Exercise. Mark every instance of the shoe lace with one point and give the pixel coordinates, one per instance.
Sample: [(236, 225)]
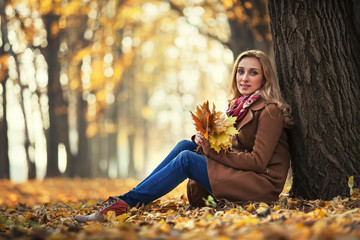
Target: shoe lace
[(108, 203)]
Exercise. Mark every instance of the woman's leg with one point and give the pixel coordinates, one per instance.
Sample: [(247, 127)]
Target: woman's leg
[(180, 146), (181, 163), (186, 164)]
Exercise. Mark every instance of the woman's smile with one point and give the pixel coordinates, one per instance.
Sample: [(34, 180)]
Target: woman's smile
[(244, 86)]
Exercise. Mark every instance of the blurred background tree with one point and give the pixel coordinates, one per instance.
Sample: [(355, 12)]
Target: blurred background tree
[(95, 88)]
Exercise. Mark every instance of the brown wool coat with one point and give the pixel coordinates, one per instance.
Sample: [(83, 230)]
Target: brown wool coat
[(256, 168)]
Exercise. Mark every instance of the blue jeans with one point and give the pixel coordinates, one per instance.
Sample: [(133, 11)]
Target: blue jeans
[(181, 163)]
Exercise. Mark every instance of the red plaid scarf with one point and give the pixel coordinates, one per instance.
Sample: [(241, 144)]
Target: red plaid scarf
[(238, 107)]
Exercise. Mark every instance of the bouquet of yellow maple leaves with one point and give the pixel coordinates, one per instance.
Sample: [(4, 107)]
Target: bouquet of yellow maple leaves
[(214, 126)]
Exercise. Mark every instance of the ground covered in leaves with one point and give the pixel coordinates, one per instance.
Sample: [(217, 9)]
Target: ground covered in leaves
[(45, 210)]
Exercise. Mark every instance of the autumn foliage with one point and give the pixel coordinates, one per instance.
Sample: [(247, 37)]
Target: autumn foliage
[(214, 126), (45, 210)]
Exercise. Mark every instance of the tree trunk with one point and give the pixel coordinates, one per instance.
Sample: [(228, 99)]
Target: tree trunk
[(317, 52), (251, 31), (57, 110), (30, 163), (102, 161), (241, 38), (79, 165), (82, 165), (4, 141), (58, 131), (131, 166), (146, 127), (131, 121), (112, 153), (112, 147)]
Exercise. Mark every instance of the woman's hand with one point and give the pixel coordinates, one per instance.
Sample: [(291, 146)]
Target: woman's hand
[(202, 141)]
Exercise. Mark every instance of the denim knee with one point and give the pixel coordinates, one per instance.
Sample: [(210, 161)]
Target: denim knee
[(185, 158), (186, 144), (194, 167)]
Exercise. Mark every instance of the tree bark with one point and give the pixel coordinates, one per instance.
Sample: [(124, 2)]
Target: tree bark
[(112, 115), (317, 52), (58, 131), (57, 106), (82, 165), (4, 141)]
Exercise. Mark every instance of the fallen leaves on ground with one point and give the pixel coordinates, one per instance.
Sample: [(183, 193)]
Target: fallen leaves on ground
[(45, 210)]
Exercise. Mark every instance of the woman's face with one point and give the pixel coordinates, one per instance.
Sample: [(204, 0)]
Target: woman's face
[(249, 76)]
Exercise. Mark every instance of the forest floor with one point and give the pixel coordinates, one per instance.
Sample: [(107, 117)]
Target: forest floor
[(45, 210)]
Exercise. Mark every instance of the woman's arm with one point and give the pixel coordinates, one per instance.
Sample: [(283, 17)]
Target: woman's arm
[(270, 127)]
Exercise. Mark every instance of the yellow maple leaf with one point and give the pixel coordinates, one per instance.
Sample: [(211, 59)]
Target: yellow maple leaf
[(214, 126), (219, 141), (222, 122)]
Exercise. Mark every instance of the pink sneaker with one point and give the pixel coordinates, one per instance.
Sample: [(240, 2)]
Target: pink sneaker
[(111, 204)]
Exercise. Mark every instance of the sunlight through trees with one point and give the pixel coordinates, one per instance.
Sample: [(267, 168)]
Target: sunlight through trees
[(109, 84)]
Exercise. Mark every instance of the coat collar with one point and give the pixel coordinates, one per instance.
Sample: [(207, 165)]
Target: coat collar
[(256, 106)]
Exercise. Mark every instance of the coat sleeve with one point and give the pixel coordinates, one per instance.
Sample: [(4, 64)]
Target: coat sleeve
[(270, 127)]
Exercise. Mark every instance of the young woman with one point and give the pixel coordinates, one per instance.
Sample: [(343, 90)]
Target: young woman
[(256, 167)]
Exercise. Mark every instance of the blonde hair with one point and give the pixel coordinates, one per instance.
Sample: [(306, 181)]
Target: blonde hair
[(270, 89)]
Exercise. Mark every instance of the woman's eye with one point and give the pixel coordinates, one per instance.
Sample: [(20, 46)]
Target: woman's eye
[(254, 73), (240, 71)]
